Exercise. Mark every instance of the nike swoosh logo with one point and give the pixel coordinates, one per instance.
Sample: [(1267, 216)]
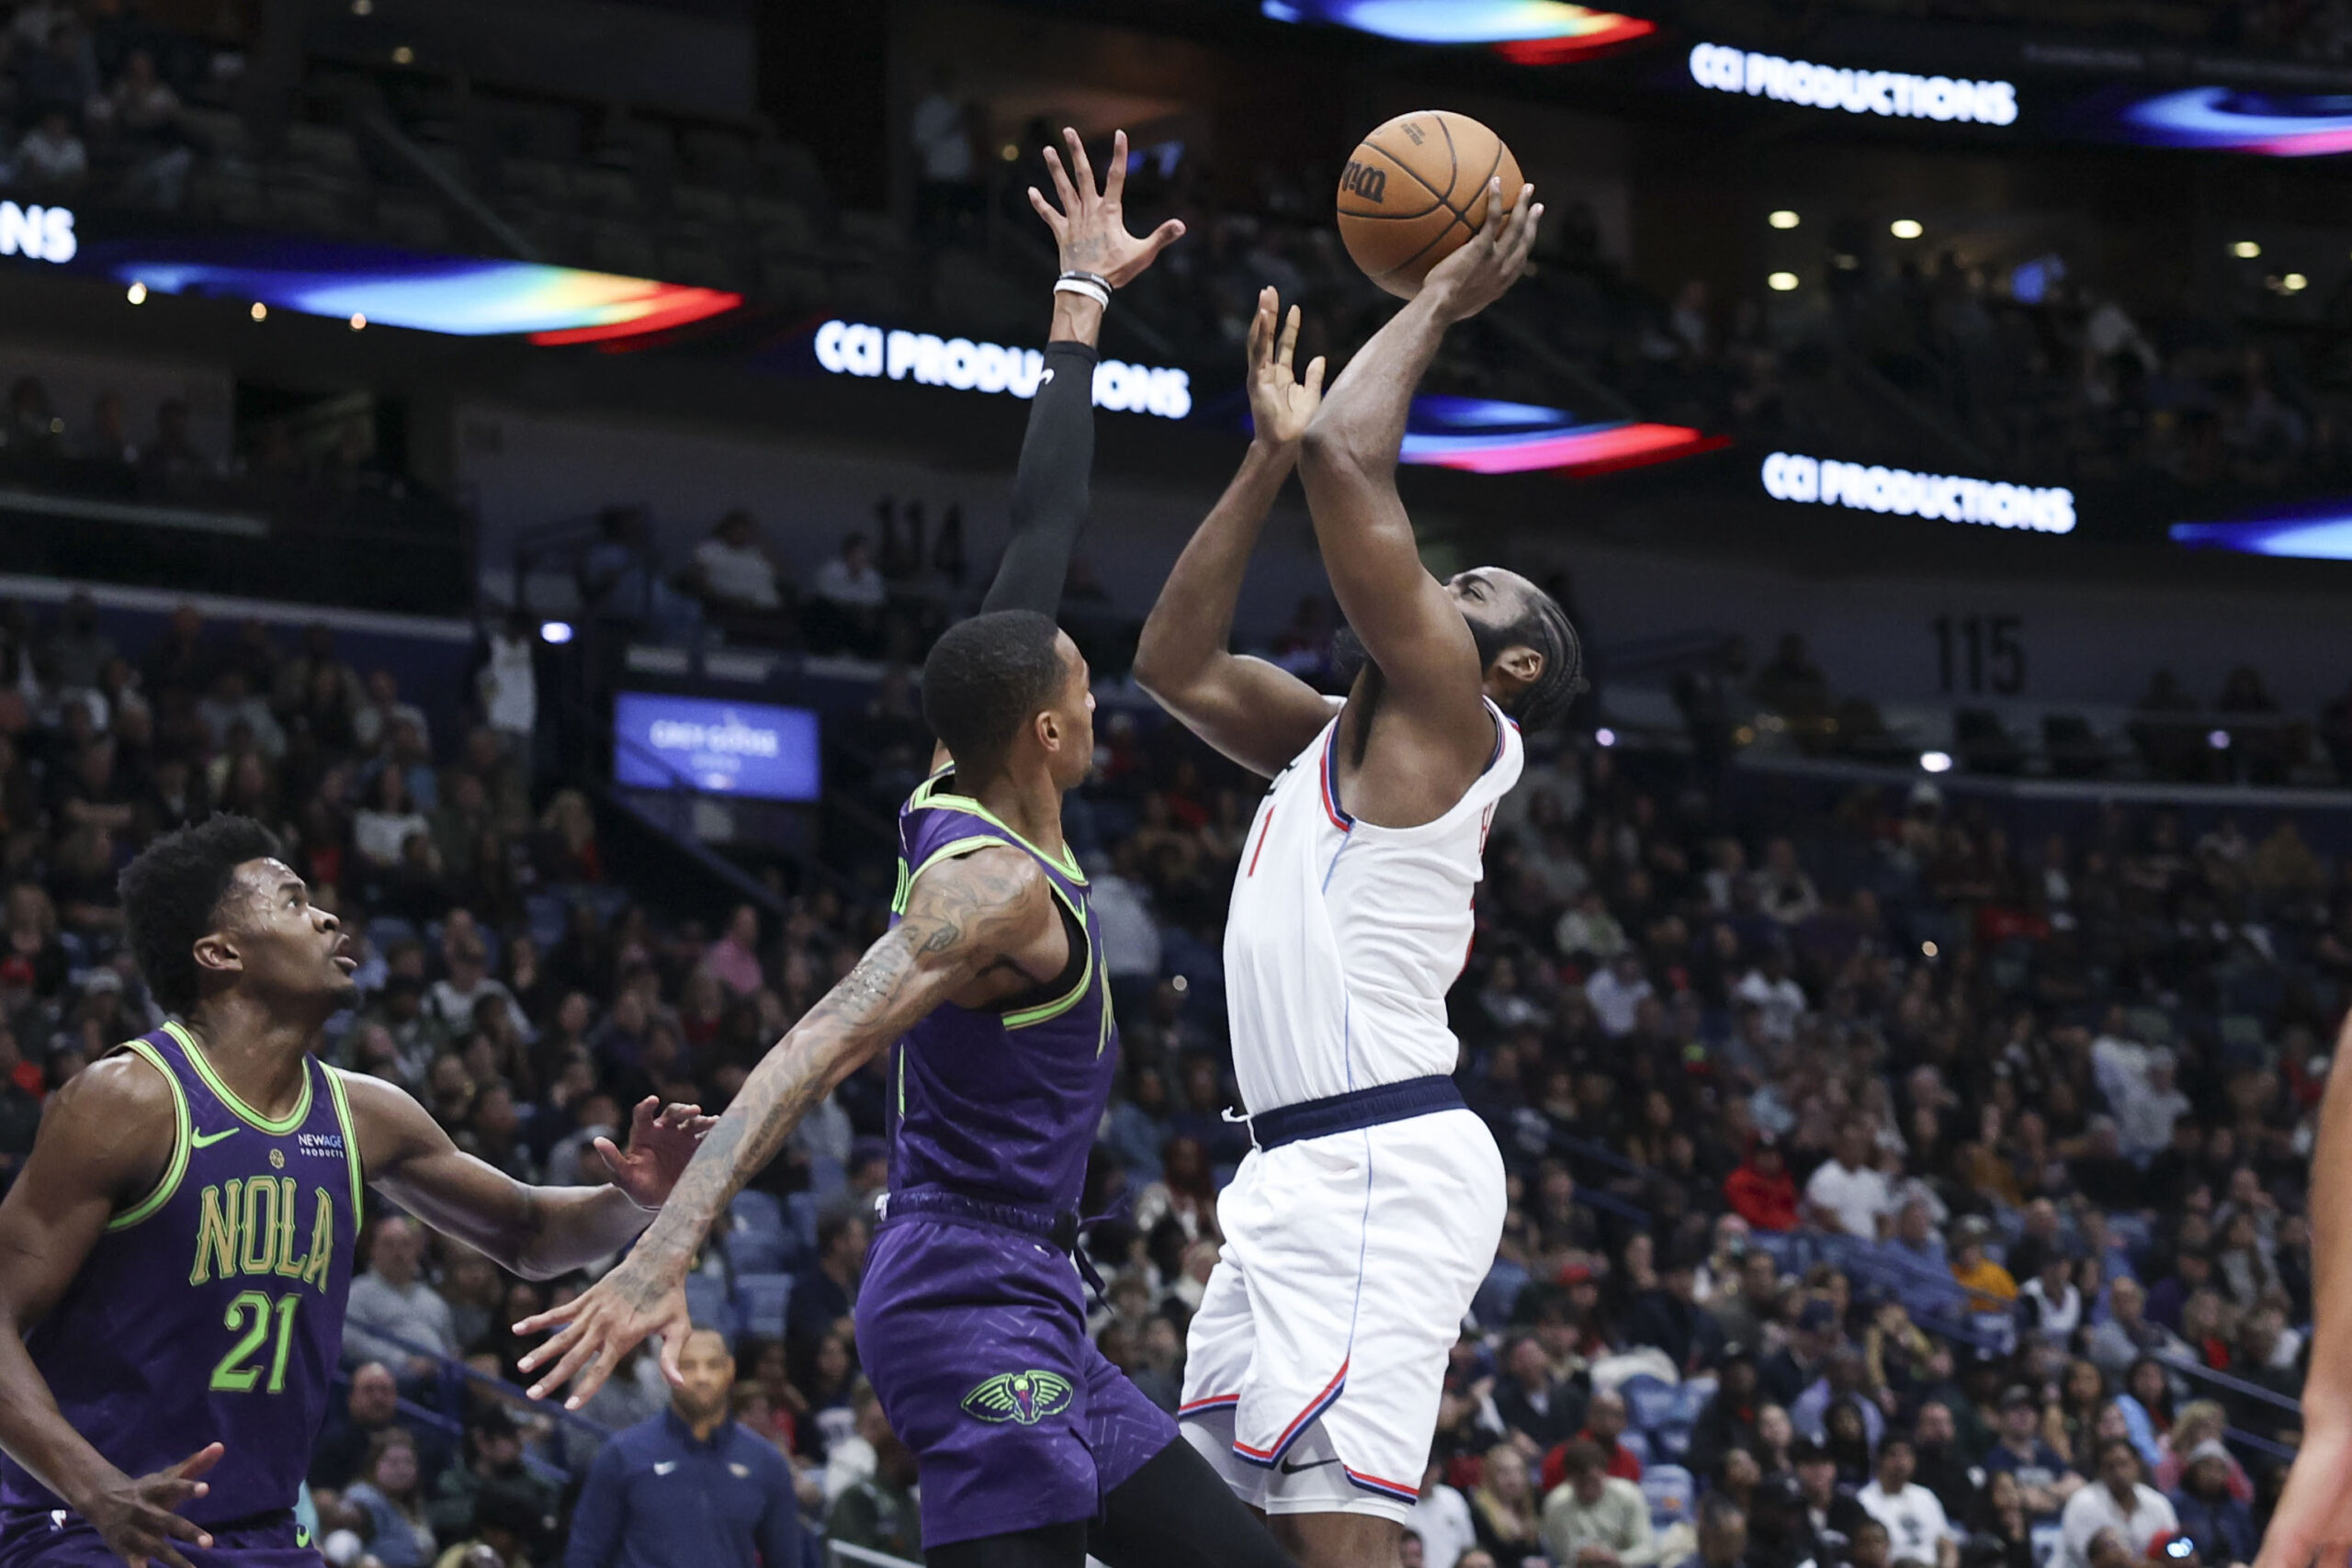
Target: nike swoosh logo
[(206, 1140), (665, 1467), (1290, 1469), (1044, 377), (301, 1535)]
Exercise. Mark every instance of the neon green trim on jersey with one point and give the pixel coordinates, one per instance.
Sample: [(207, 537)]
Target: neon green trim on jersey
[(955, 850), (1029, 1017), (1102, 1042), (350, 1140), (930, 793), (183, 1134), (246, 1114)]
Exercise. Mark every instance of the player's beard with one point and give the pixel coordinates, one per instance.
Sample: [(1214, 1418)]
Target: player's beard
[(1349, 655)]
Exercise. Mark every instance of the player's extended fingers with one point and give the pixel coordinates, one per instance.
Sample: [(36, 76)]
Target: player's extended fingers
[(595, 1366), (1063, 189), (701, 1125), (1047, 210), (566, 1320), (1081, 170), (582, 1347), (1114, 178), (1314, 379), (196, 1463), (1289, 343), (673, 1341), (1160, 239), (1262, 330), (611, 1156), (680, 1115)]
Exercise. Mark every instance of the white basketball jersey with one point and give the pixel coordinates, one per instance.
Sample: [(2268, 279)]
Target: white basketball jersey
[(1344, 937)]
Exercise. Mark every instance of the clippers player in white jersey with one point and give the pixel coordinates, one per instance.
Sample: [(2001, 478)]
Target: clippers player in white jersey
[(1362, 1223)]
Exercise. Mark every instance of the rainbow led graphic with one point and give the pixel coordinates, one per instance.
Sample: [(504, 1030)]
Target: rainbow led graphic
[(461, 296), (2313, 530), (2292, 125), (1532, 32), (1483, 435)]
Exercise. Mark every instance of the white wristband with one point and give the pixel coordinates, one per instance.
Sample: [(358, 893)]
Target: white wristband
[(1086, 288)]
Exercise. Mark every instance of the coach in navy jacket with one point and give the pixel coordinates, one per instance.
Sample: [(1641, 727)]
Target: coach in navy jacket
[(691, 1485)]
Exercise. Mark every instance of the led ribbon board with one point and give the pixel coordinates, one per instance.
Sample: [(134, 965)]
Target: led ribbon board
[(461, 296), (2277, 125), (1487, 436), (1941, 497), (855, 348), (2312, 530), (1894, 93), (1529, 32)]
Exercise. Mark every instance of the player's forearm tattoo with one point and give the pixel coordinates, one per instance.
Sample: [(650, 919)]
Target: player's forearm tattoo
[(961, 918)]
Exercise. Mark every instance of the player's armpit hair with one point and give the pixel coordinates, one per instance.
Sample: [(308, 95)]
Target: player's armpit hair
[(170, 896)]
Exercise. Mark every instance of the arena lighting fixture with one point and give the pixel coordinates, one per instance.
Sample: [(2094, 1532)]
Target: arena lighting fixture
[(2219, 739), (1935, 761), (555, 633), (1604, 736), (1526, 32), (136, 293), (2294, 283), (1905, 228), (260, 312), (404, 55), (1783, 218), (2246, 250), (463, 295), (1927, 950), (359, 322), (1782, 282), (1484, 436)]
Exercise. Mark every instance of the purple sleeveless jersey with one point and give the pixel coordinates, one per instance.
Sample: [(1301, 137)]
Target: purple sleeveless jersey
[(974, 1333), (212, 1310)]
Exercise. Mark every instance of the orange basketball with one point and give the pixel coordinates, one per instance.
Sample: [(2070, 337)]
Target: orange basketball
[(1416, 190)]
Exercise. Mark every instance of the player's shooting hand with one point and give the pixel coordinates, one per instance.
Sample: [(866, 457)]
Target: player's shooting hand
[(662, 1140), (604, 1324), (1281, 403), (1482, 271), (2313, 1522), (137, 1519), (1090, 226)]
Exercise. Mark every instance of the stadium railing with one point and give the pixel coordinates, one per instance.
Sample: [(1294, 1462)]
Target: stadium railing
[(455, 1377)]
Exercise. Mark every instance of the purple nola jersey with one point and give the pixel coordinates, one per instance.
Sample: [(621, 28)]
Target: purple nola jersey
[(1002, 1105), (212, 1310)]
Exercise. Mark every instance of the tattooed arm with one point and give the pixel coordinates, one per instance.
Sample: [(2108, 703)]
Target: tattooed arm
[(976, 928)]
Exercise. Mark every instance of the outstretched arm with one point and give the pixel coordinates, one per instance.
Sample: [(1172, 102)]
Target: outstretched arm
[(537, 1231), (1257, 714), (963, 919), (1410, 628), (2313, 1522), (1050, 488)]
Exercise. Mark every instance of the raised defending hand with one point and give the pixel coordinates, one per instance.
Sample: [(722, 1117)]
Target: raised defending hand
[(1482, 271), (1090, 227), (604, 1324), (138, 1519), (661, 1141), (1279, 402)]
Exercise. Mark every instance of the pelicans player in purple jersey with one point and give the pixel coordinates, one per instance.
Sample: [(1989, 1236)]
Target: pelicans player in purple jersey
[(971, 1322), (175, 1256)]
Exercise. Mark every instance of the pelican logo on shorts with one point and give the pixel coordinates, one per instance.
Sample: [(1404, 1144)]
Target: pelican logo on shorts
[(1025, 1398)]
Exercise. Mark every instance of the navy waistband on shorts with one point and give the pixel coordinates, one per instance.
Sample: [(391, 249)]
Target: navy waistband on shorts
[(1057, 1229), (1356, 1109)]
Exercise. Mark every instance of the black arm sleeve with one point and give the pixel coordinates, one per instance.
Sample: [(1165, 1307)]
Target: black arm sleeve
[(1049, 489)]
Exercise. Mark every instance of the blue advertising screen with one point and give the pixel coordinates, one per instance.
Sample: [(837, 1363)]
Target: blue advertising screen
[(756, 750)]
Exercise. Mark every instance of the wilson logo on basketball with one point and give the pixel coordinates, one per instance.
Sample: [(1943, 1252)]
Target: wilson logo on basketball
[(1413, 132), (1368, 182)]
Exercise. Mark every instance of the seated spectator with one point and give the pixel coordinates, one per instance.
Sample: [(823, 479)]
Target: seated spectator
[(394, 1316), (1844, 1380), (1813, 1518), (384, 709), (1440, 1519), (1783, 890), (736, 568), (1594, 1519), (1795, 1366), (467, 1492), (878, 1510), (389, 1496), (1915, 1524), (823, 1293), (2117, 1501), (1531, 1404), (1722, 1534), (382, 829), (52, 159), (1732, 1413), (2220, 1523), (734, 958), (370, 1407), (2044, 1479), (1989, 1286), (2197, 1423), (2049, 1306), (1504, 1509), (2126, 1334), (845, 609), (1939, 1460), (1668, 1317), (1846, 1191)]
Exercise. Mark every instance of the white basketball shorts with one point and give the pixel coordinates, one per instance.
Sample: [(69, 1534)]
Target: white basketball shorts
[(1315, 1363)]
